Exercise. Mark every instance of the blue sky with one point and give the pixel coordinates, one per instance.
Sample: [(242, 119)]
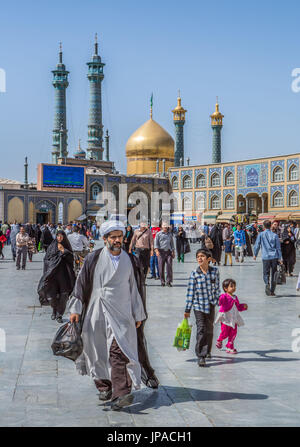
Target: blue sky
[(244, 52)]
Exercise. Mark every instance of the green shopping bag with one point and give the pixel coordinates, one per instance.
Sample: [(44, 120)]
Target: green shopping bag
[(183, 335), (39, 247)]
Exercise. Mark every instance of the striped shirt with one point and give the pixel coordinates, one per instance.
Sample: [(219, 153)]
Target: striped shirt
[(203, 290)]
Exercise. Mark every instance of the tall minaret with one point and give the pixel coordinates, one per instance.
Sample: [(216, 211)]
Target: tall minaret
[(179, 120), (95, 127), (216, 124), (60, 83)]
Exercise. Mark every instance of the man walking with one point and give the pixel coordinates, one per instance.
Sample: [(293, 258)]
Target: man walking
[(142, 241), (269, 242), (154, 260), (22, 241), (109, 290), (165, 252), (203, 294), (239, 242)]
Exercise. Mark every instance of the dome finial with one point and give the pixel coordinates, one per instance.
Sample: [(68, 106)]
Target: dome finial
[(151, 106)]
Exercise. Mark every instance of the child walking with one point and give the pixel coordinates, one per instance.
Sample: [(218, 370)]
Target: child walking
[(228, 244), (229, 315)]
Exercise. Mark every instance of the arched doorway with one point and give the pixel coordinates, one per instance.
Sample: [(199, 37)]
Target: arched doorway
[(15, 210)]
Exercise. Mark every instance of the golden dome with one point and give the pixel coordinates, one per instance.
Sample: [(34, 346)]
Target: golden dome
[(147, 144)]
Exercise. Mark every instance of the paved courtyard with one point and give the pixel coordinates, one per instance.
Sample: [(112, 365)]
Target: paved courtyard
[(257, 387)]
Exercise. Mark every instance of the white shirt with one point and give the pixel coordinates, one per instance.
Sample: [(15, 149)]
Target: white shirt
[(78, 241)]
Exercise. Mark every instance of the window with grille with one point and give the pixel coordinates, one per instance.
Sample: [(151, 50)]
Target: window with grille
[(293, 173), (278, 174), (187, 182), (215, 180), (229, 203), (215, 203), (293, 198), (278, 199), (175, 183), (229, 179), (95, 190), (200, 182)]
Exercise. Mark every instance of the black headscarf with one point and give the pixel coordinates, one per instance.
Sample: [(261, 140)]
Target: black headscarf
[(65, 242)]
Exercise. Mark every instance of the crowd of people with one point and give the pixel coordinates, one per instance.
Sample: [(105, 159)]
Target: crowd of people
[(108, 297)]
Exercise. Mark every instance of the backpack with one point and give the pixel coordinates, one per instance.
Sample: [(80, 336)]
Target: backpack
[(208, 243)]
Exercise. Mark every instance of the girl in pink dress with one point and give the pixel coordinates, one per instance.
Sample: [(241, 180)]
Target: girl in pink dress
[(229, 315)]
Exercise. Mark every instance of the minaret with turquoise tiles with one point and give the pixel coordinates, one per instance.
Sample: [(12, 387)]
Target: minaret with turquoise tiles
[(60, 83), (216, 125), (179, 120), (95, 127)]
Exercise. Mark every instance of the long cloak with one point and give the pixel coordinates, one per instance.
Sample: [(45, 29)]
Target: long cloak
[(58, 275), (217, 239), (180, 243), (288, 251), (97, 319), (249, 251)]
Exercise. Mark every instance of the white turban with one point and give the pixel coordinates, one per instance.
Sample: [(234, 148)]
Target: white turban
[(112, 225)]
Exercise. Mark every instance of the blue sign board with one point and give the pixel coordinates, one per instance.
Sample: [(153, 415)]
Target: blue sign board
[(63, 176)]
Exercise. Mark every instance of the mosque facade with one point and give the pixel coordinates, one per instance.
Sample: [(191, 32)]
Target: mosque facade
[(226, 191)]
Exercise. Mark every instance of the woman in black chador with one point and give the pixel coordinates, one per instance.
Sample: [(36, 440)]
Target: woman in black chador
[(58, 279), (288, 251), (216, 237)]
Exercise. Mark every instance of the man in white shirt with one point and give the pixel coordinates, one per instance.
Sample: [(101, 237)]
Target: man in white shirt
[(78, 241)]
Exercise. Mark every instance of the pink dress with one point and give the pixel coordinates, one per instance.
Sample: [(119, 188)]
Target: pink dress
[(230, 319)]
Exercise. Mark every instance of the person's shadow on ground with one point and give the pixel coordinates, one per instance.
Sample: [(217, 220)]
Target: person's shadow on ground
[(166, 395), (262, 357)]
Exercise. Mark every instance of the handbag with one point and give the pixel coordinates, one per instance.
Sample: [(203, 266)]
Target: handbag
[(208, 243)]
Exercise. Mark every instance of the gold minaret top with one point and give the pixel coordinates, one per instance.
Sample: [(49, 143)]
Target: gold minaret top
[(217, 117), (179, 112)]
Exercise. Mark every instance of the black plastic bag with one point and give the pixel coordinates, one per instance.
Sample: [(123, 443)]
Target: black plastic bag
[(280, 277), (67, 341)]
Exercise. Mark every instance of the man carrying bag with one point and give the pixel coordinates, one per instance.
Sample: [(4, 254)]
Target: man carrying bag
[(271, 254)]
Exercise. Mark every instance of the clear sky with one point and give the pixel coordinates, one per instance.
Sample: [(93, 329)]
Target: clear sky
[(243, 52)]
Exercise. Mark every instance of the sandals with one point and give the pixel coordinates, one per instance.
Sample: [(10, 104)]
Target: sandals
[(219, 344)]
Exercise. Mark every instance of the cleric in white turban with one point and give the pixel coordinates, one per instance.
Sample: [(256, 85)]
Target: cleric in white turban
[(111, 225), (110, 288)]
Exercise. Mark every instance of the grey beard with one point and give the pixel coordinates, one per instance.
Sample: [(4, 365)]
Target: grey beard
[(112, 247)]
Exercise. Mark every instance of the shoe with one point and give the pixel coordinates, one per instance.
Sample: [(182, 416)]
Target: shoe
[(169, 284), (122, 402), (208, 356), (201, 362), (23, 268), (59, 319), (157, 277), (268, 290), (231, 351), (53, 316), (219, 344), (272, 294), (105, 395), (163, 284), (18, 268), (151, 277)]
